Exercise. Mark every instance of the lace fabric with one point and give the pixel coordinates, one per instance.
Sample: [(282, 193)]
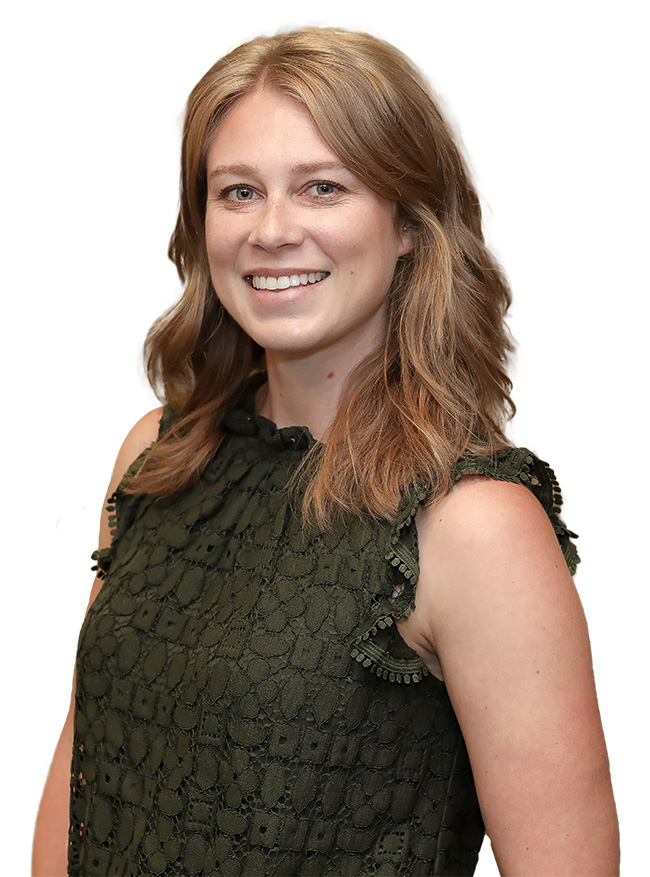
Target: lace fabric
[(245, 705), (373, 638)]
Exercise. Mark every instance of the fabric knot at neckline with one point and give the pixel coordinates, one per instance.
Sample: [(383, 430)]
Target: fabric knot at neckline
[(245, 422)]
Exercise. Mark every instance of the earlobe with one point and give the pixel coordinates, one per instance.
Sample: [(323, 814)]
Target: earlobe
[(407, 241)]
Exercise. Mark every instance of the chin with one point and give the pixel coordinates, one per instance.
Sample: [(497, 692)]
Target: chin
[(291, 343)]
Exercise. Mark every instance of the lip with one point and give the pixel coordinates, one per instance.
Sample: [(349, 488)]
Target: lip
[(283, 272)]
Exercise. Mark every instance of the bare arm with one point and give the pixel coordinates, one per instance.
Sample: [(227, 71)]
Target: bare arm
[(50, 851), (497, 607)]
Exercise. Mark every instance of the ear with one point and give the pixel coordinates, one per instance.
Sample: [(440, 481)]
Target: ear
[(406, 233)]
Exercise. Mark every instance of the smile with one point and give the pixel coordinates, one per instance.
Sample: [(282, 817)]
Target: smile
[(286, 280)]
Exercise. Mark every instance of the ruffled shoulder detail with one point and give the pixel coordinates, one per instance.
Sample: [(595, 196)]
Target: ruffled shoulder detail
[(521, 466), (120, 505), (377, 646)]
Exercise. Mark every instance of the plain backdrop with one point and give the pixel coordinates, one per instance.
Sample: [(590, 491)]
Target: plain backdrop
[(549, 101)]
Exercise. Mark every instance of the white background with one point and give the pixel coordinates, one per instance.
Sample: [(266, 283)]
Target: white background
[(549, 99)]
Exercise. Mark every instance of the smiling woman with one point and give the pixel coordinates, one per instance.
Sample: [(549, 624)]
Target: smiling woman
[(279, 208), (259, 688)]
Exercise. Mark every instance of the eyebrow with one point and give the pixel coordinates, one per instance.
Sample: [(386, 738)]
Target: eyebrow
[(244, 170)]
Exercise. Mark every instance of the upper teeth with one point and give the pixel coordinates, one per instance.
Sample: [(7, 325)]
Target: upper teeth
[(287, 280)]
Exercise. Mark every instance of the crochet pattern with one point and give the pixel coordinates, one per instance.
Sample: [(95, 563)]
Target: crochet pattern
[(245, 705)]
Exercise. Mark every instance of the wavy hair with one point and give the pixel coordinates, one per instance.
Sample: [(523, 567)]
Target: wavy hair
[(437, 388)]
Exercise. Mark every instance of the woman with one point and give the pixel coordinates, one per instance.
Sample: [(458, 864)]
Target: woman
[(259, 690)]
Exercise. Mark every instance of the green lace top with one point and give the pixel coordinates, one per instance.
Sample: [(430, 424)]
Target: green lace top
[(244, 705)]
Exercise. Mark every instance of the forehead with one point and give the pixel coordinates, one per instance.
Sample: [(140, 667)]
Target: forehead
[(268, 127)]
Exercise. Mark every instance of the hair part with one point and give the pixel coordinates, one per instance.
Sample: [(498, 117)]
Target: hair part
[(438, 387)]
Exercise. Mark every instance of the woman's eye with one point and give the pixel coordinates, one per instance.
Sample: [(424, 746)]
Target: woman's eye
[(239, 193), (324, 188)]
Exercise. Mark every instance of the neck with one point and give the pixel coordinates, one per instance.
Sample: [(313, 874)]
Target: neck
[(303, 391)]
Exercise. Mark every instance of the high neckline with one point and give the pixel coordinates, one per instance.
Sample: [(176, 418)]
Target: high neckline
[(244, 420)]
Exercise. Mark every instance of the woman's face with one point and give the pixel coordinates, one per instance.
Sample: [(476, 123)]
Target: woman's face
[(301, 252)]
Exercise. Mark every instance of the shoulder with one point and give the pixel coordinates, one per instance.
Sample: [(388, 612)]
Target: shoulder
[(143, 434), (138, 439), (489, 515), (488, 551)]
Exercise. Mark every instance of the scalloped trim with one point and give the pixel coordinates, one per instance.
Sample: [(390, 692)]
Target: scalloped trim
[(364, 650), (379, 662), (509, 464), (103, 557), (521, 466), (516, 465)]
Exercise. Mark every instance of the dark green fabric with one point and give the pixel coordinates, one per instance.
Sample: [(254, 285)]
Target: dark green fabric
[(244, 704)]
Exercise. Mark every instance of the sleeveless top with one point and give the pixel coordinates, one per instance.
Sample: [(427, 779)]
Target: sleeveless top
[(244, 704)]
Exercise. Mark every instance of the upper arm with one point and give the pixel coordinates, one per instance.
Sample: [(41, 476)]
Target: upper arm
[(496, 605)]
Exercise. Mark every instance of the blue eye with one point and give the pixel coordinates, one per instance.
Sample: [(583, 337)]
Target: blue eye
[(239, 193), (325, 188), (242, 193)]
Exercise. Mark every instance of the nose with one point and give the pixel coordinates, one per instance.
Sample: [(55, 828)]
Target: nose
[(276, 225)]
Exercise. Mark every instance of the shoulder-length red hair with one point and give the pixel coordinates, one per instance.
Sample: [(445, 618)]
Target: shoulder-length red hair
[(437, 388)]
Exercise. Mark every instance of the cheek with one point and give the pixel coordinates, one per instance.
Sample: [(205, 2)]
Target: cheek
[(332, 235), (348, 243), (377, 238), (219, 244), (210, 239)]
